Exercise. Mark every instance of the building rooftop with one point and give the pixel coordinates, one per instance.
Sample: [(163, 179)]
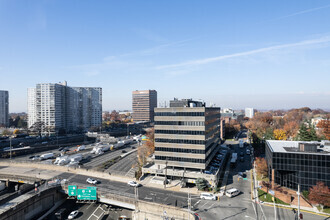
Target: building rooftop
[(311, 147)]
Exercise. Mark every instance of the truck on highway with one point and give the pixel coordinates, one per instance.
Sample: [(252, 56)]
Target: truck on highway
[(58, 159), (63, 161), (126, 142), (75, 158), (100, 149), (241, 144), (118, 145), (80, 148), (47, 156), (137, 138)]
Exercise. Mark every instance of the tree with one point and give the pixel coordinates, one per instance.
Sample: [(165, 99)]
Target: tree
[(279, 134), (201, 183), (291, 128), (262, 168), (307, 133), (320, 194), (6, 132), (114, 116), (38, 127), (16, 131), (324, 125), (150, 143)]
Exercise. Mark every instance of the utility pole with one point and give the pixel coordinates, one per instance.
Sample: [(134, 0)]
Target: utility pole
[(189, 204), (298, 200), (10, 146), (274, 204)]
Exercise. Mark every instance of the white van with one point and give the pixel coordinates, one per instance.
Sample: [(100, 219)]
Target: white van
[(208, 196), (232, 192)]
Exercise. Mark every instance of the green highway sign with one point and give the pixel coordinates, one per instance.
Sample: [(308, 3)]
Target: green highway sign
[(87, 194), (72, 190)]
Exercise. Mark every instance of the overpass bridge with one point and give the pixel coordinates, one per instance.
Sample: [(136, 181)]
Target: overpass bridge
[(149, 203)]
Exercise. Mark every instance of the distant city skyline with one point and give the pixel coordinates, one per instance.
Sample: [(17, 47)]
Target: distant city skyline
[(273, 55)]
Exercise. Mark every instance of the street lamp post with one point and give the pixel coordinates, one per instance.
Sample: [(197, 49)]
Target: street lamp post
[(10, 146)]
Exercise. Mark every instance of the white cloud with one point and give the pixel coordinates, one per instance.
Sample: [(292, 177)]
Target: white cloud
[(303, 12), (247, 53)]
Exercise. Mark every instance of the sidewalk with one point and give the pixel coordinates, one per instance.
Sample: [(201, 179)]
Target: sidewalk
[(313, 210)]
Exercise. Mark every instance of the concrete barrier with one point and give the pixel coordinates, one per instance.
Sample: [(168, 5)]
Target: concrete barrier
[(79, 171), (148, 210)]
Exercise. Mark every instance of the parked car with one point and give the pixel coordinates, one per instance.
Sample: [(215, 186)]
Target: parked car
[(124, 151), (91, 181), (208, 172), (73, 214), (133, 183), (248, 152), (241, 154), (232, 192), (208, 196), (241, 159)]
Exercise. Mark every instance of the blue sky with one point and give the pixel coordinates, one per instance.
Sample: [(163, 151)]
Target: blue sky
[(261, 54)]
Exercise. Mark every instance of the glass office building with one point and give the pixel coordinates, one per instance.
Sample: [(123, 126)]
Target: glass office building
[(293, 162)]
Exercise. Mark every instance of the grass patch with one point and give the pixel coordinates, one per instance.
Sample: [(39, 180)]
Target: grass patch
[(266, 179), (107, 164), (261, 195), (325, 209)]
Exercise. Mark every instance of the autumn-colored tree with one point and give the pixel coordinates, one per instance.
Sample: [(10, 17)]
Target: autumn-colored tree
[(324, 125), (16, 131), (320, 194), (262, 168), (114, 116), (291, 128), (279, 134)]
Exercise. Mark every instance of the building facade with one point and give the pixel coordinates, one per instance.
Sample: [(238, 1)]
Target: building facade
[(143, 104), (57, 106), (293, 162), (186, 135), (4, 108)]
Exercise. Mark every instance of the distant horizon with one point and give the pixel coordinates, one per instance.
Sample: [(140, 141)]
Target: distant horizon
[(260, 110)]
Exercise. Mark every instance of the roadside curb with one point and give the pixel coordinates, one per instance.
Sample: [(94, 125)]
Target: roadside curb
[(290, 207)]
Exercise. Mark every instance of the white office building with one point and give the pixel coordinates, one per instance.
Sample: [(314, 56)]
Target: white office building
[(56, 106), (4, 108), (249, 112)]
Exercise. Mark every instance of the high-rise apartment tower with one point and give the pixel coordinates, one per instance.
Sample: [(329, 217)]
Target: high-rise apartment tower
[(57, 106), (4, 108)]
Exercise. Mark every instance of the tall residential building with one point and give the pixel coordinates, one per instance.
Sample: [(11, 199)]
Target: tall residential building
[(4, 108), (186, 134), (143, 104), (249, 112), (58, 106)]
